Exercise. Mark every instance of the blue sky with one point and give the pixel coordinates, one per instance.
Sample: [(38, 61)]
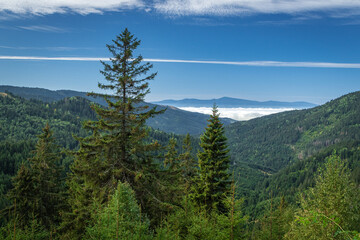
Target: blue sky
[(299, 50)]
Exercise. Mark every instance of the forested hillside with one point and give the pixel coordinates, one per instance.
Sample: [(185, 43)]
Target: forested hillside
[(174, 120), (275, 141), (267, 147), (22, 120)]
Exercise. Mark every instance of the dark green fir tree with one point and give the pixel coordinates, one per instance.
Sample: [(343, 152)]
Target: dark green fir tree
[(172, 174), (213, 184), (38, 189), (188, 165), (118, 149)]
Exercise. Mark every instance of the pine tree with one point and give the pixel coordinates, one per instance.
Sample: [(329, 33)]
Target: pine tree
[(38, 189), (118, 149), (213, 185)]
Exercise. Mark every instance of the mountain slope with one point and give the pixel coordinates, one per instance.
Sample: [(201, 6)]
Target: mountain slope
[(227, 102), (276, 140), (265, 147), (22, 120), (174, 120)]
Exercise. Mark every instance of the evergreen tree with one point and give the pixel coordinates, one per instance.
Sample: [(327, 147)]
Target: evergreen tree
[(331, 209), (38, 190), (195, 223), (275, 223), (22, 196), (172, 174), (213, 185), (188, 165), (120, 219), (118, 149)]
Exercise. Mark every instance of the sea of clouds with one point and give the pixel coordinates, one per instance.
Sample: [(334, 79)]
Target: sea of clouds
[(240, 114)]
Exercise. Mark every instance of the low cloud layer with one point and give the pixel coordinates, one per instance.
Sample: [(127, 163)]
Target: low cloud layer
[(244, 63), (183, 7), (240, 114)]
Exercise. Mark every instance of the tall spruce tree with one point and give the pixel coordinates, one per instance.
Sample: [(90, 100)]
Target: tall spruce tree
[(118, 149), (38, 190), (213, 184)]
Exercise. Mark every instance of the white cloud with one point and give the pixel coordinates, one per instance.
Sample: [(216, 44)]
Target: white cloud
[(266, 63), (240, 114), (243, 7), (58, 48), (52, 58), (43, 7), (342, 8), (43, 28), (244, 63)]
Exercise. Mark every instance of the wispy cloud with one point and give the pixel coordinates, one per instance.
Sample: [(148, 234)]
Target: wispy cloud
[(57, 48), (43, 7), (43, 28), (334, 8), (53, 58), (243, 63), (243, 7), (292, 20)]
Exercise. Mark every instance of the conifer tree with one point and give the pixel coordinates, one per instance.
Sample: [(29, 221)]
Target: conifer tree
[(188, 165), (22, 196), (213, 184), (172, 174), (118, 149), (121, 218), (38, 189), (331, 209)]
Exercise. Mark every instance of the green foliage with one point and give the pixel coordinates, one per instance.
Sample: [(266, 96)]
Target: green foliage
[(80, 201), (33, 231), (212, 185), (188, 165), (24, 119), (274, 141), (275, 223), (12, 155), (193, 223), (38, 191), (120, 219), (296, 178), (263, 146), (118, 148), (174, 120), (274, 157), (329, 210), (173, 191)]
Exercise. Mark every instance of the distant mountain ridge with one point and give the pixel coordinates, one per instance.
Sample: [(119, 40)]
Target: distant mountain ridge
[(227, 102), (174, 120)]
